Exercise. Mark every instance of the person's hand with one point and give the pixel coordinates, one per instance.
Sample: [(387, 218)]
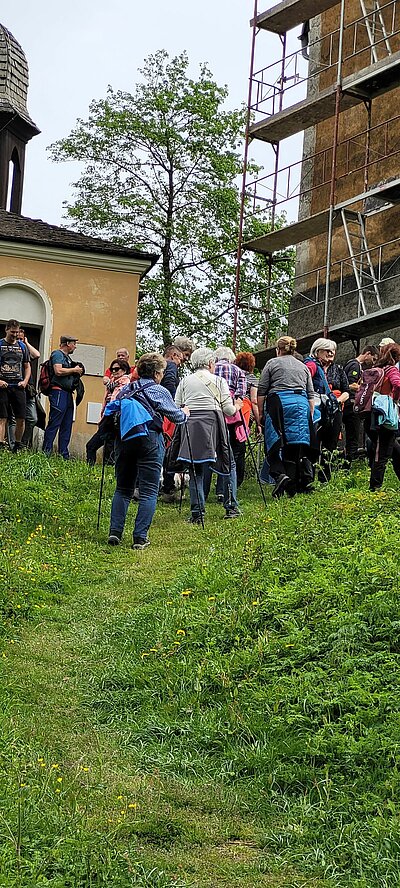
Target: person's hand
[(186, 411), (78, 370), (22, 384), (3, 384), (238, 403), (259, 430)]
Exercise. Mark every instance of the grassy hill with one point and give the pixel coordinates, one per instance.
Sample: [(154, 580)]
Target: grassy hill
[(221, 709)]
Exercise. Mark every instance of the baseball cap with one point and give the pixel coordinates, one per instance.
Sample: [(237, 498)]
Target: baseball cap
[(386, 341), (65, 339)]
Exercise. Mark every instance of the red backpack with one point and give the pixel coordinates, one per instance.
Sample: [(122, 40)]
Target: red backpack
[(45, 377), (371, 381)]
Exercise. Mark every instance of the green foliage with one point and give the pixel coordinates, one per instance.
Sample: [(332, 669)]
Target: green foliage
[(238, 689), (160, 172)]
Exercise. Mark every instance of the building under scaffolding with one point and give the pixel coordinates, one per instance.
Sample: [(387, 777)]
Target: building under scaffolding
[(340, 88)]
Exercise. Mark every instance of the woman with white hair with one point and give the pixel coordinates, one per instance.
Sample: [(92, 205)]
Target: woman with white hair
[(204, 442), (332, 389)]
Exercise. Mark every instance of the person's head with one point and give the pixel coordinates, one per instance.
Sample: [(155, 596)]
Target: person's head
[(384, 342), (21, 335), (203, 359), (68, 344), (151, 366), (12, 331), (122, 354), (175, 354), (389, 355), (223, 353), (369, 356), (186, 346), (246, 361), (118, 369), (324, 350), (286, 345)]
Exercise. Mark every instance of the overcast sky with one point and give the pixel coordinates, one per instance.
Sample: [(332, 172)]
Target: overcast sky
[(76, 48)]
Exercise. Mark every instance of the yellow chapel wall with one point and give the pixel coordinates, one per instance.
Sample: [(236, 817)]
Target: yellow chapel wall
[(98, 306)]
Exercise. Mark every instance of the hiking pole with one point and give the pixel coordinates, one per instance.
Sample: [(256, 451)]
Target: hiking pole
[(182, 491), (101, 483), (194, 475), (253, 457)]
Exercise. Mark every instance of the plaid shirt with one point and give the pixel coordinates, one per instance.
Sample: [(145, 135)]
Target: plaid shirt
[(234, 376)]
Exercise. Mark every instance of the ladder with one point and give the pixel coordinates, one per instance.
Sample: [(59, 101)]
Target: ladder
[(364, 272), (376, 28)]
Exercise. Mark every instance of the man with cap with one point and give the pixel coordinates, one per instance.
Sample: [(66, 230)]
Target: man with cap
[(63, 384)]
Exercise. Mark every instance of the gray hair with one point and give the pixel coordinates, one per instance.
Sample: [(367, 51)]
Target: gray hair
[(201, 357), (225, 353), (184, 343), (320, 344)]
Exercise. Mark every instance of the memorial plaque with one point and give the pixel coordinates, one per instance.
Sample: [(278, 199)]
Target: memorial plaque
[(92, 356)]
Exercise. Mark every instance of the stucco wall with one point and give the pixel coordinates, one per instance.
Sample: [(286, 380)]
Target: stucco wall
[(97, 306)]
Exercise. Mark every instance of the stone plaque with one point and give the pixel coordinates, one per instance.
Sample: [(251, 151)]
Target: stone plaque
[(92, 356)]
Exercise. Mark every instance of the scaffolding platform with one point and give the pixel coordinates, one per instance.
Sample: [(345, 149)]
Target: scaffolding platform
[(376, 79), (290, 13), (387, 193)]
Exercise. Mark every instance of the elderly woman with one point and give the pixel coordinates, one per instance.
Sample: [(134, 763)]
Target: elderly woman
[(204, 442), (383, 443), (332, 389), (286, 396), (142, 456)]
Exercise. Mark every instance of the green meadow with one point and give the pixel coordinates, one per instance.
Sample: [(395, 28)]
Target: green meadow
[(222, 709)]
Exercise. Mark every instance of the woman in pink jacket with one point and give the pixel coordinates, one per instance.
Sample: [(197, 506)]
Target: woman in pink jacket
[(382, 440)]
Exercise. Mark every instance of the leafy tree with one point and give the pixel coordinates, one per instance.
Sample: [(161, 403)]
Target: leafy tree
[(160, 169)]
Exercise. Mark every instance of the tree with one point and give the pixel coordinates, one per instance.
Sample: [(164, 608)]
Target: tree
[(160, 172)]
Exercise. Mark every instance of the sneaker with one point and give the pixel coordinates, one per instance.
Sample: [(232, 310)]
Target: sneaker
[(220, 498), (114, 538), (168, 498), (140, 544), (232, 513), (280, 486)]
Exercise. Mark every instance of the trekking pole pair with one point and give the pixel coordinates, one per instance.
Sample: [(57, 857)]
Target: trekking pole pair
[(252, 457)]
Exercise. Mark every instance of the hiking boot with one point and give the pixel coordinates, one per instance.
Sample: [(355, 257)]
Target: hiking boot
[(168, 498), (220, 498), (114, 538), (232, 513), (17, 447), (280, 486), (194, 519), (140, 543)]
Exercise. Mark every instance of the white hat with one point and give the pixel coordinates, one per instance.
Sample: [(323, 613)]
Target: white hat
[(386, 341)]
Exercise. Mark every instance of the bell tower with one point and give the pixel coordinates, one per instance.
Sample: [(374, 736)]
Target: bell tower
[(16, 127)]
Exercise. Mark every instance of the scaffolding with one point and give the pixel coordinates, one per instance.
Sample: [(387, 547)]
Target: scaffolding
[(342, 185)]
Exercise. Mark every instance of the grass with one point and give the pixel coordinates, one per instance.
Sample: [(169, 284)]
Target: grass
[(221, 709)]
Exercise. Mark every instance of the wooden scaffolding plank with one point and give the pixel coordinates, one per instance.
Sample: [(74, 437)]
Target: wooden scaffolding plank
[(292, 234), (290, 13)]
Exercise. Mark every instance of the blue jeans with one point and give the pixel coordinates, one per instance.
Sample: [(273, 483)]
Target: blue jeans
[(60, 420), (226, 484), (141, 457)]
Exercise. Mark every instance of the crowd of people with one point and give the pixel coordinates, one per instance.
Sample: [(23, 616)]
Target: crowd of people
[(193, 411)]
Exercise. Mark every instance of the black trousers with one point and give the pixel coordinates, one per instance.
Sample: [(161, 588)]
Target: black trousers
[(352, 423), (328, 437), (239, 454), (99, 439), (380, 451)]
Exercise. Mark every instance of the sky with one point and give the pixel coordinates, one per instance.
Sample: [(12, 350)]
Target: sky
[(76, 48)]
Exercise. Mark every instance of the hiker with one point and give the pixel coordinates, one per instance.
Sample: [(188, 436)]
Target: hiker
[(142, 456), (387, 340), (186, 346), (246, 362), (332, 390), (383, 437), (121, 354), (65, 376), (286, 398), (206, 443), (352, 420), (119, 377), (31, 413), (170, 381), (15, 371)]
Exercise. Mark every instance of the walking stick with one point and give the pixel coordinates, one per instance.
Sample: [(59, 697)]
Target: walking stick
[(253, 457), (194, 475), (101, 483), (182, 490)]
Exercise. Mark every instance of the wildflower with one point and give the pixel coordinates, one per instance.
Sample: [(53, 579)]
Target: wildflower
[(119, 798), (186, 592), (180, 632), (85, 769), (144, 655), (154, 650), (58, 791), (56, 765), (59, 779), (257, 601), (211, 598), (177, 642), (132, 805)]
